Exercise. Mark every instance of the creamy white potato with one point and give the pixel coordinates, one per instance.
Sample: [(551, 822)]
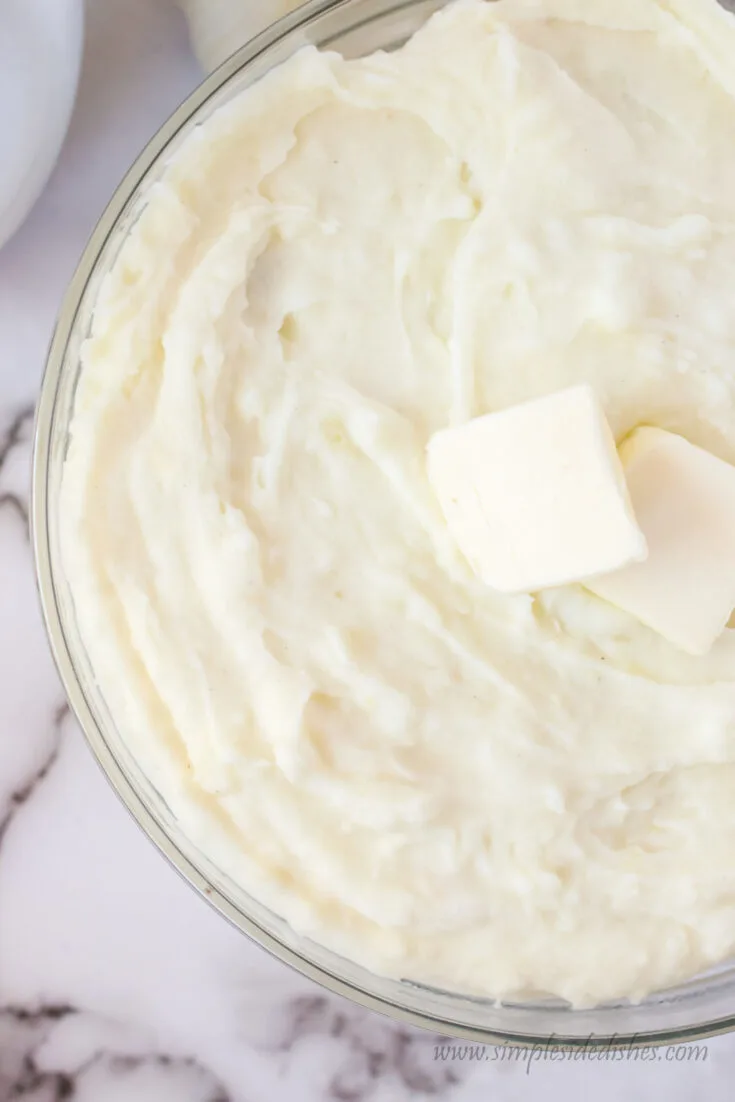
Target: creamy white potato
[(487, 793)]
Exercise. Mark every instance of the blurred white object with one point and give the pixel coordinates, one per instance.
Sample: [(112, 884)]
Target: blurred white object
[(219, 27), (40, 55)]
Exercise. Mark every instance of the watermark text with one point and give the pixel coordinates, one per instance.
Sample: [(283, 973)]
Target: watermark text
[(552, 1051)]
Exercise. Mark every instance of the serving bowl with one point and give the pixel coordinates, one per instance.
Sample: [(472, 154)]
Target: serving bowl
[(702, 1007)]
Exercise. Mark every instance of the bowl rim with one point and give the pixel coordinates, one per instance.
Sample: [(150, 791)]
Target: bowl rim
[(299, 19)]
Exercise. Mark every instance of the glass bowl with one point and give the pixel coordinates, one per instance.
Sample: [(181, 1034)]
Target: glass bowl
[(700, 1008)]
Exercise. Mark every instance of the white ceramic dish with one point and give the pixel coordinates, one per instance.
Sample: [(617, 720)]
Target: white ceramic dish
[(40, 58)]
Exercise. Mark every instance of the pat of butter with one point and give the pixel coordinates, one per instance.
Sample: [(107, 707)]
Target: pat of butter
[(535, 495), (684, 501)]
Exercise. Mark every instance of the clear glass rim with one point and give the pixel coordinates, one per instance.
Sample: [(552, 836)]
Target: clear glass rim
[(299, 20)]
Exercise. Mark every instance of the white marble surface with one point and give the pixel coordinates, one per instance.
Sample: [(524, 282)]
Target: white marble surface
[(117, 984)]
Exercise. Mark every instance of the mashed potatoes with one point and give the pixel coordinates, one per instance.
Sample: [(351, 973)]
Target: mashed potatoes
[(500, 794)]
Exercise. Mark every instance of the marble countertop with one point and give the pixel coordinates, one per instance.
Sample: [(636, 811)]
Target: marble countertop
[(117, 984)]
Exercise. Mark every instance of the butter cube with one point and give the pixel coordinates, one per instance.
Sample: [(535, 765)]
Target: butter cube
[(684, 501), (535, 496)]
